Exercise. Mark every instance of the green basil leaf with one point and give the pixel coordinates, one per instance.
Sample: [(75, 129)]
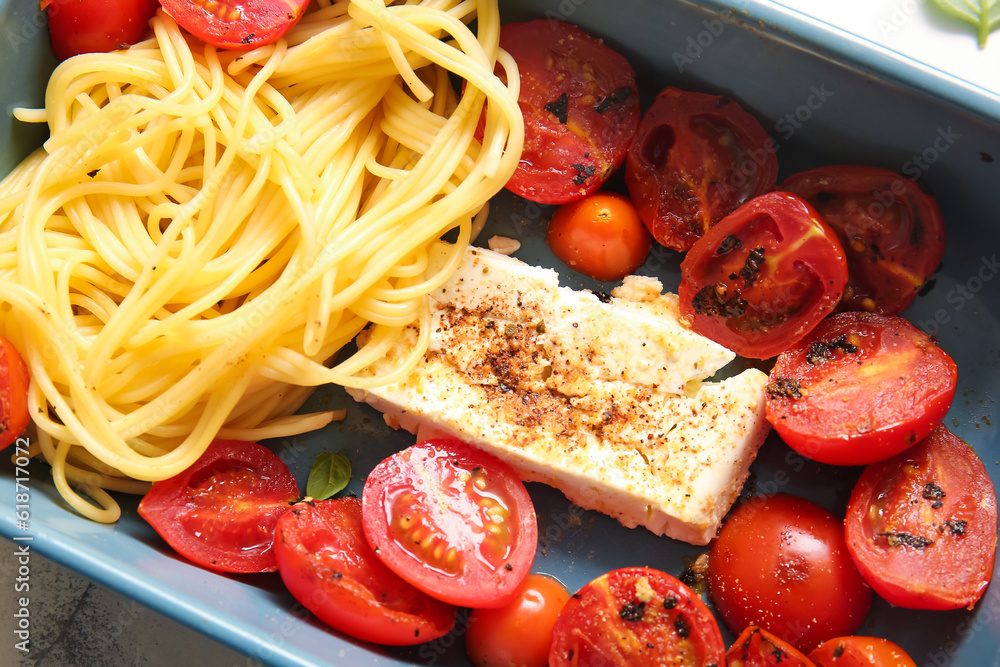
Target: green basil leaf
[(328, 476), (985, 14)]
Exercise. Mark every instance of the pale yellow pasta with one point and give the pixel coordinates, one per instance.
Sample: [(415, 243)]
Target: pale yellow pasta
[(204, 231)]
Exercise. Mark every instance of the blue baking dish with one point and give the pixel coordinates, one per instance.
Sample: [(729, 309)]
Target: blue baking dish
[(825, 97)]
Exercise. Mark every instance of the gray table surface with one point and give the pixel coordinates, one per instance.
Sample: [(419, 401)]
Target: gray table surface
[(76, 623)]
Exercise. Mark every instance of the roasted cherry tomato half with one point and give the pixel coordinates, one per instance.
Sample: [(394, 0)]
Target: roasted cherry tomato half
[(236, 24), (892, 232), (600, 236), (781, 563), (96, 26), (695, 159), (520, 632), (634, 617), (220, 513), (756, 647), (922, 526), (328, 566), (764, 276), (860, 388), (580, 105), (452, 520), (860, 652), (14, 381)]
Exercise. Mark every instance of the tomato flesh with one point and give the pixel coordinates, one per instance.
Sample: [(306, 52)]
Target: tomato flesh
[(636, 617), (893, 232), (453, 521), (860, 388), (580, 105), (520, 632), (860, 652), (781, 563), (756, 647), (695, 159), (236, 24), (14, 380), (220, 513), (922, 526), (600, 236), (96, 26), (763, 277), (328, 566)]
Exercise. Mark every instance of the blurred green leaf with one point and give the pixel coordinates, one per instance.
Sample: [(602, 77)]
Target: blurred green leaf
[(985, 14)]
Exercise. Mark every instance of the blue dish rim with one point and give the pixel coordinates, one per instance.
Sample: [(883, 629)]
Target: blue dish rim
[(777, 22)]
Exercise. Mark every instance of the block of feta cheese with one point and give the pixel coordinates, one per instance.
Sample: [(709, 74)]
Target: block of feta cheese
[(602, 397)]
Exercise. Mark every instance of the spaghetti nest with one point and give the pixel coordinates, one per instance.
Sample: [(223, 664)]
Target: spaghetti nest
[(204, 231)]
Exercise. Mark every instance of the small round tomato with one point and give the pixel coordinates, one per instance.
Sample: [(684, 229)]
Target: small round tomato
[(14, 380), (781, 563), (763, 277), (860, 652), (600, 236), (520, 632), (892, 232), (236, 24), (580, 105), (220, 513), (452, 520), (695, 159), (860, 388), (96, 26), (636, 617), (756, 647), (328, 566), (922, 526)]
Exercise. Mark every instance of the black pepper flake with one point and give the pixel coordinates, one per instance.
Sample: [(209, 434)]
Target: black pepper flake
[(583, 172), (955, 527), (559, 108), (728, 244), (93, 173), (603, 297), (907, 540), (670, 601), (784, 388), (632, 611), (682, 626), (508, 567), (613, 100), (338, 575), (933, 492), (717, 301), (751, 267), (249, 38), (823, 350)]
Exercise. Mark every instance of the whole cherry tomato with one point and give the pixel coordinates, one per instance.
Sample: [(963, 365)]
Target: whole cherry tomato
[(600, 236)]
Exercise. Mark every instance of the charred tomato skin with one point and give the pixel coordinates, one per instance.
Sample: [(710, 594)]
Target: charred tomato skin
[(756, 647), (922, 526), (892, 231), (861, 387), (858, 651), (636, 617), (695, 159), (580, 104), (763, 277)]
